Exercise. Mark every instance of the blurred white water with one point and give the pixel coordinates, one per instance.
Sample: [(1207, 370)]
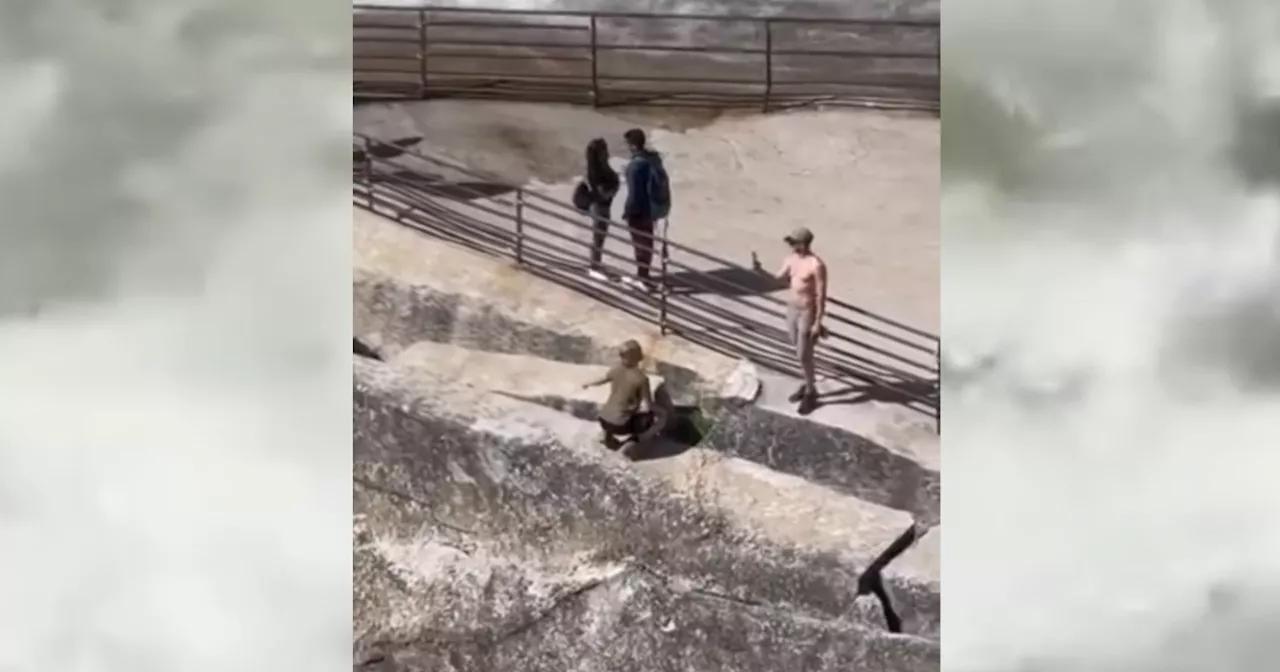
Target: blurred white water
[(1111, 312), (174, 288)]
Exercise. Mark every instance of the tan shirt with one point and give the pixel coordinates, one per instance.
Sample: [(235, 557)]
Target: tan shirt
[(628, 389)]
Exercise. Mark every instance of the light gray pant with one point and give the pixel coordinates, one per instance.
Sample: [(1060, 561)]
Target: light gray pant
[(799, 325)]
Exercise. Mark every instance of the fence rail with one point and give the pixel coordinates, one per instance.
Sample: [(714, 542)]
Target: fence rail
[(877, 356), (620, 58)]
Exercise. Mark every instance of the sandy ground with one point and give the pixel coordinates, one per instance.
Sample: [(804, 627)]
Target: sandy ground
[(866, 183)]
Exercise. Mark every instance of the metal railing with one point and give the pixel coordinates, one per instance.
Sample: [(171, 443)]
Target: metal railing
[(699, 297), (620, 58)]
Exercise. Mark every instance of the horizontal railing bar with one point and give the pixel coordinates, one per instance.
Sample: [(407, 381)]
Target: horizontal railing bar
[(508, 216), (492, 236), (780, 333), (511, 75), (505, 11), (823, 364), (736, 299), (717, 261), (384, 71), (761, 52), (462, 42), (676, 49), (573, 221), (500, 84), (605, 79), (506, 25), (707, 307), (898, 84), (537, 196), (357, 25), (432, 53), (897, 325), (861, 53), (411, 39), (728, 284)]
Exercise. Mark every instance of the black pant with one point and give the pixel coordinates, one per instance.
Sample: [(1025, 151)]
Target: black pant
[(636, 425), (599, 230), (642, 240)]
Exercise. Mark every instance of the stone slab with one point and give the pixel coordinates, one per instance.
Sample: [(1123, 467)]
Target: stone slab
[(496, 467)]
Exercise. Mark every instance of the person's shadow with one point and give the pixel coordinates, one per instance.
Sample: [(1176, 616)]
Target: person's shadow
[(728, 281), (862, 393), (684, 428)]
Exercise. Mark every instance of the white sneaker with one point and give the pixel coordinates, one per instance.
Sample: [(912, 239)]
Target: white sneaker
[(633, 283), (597, 275)]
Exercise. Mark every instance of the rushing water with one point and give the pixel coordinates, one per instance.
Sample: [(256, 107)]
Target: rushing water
[(174, 288), (1111, 311)]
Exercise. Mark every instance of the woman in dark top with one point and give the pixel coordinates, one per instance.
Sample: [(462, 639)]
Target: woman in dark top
[(601, 185)]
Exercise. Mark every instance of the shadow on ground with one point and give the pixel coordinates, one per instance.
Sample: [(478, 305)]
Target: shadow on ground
[(690, 317), (724, 282)]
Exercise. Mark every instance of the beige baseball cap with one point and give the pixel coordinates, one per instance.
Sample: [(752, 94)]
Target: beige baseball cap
[(801, 235)]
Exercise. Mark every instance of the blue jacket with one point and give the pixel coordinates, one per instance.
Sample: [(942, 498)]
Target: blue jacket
[(638, 201)]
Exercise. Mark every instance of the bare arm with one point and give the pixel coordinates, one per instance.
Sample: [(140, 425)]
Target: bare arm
[(608, 377), (820, 290), (784, 272)]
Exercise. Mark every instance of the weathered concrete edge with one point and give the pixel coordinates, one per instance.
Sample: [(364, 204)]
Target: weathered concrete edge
[(725, 636), (911, 582), (391, 314), (833, 456), (636, 515), (395, 315)]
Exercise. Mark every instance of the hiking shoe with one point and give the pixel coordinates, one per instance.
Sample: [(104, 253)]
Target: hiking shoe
[(798, 394), (808, 404)]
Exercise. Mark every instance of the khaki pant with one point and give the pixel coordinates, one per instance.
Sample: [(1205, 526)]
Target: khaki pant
[(799, 326)]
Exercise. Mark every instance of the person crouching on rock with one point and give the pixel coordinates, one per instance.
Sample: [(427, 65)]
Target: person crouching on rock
[(620, 417)]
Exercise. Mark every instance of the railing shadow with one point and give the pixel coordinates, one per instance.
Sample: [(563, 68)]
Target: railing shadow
[(479, 213), (724, 282)]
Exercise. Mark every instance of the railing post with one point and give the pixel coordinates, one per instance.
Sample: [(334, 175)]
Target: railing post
[(595, 66), (519, 226), (768, 63), (664, 289), (422, 53)]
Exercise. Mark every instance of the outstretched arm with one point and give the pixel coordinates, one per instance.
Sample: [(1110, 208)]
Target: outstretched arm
[(599, 381), (781, 276), (784, 272)]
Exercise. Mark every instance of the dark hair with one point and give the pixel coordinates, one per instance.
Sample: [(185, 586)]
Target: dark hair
[(599, 172), (635, 138)]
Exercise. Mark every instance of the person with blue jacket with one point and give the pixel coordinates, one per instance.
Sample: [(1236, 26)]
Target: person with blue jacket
[(648, 200)]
